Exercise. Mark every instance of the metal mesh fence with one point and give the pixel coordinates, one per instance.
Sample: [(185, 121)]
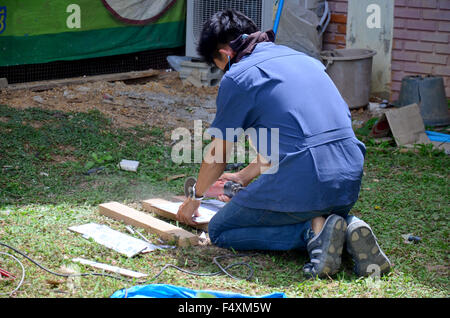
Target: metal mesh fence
[(153, 59), (204, 9)]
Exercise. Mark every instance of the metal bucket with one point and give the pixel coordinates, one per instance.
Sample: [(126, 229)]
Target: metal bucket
[(429, 93), (351, 72)]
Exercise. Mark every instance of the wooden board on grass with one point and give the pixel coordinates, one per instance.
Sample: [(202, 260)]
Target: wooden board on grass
[(169, 210), (153, 225)]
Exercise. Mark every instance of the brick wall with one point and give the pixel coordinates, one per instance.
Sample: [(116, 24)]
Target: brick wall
[(334, 36), (421, 41)]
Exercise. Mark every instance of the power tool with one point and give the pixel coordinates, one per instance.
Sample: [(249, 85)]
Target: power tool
[(228, 188)]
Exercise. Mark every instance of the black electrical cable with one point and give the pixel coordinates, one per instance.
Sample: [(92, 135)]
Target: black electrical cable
[(23, 273), (223, 270)]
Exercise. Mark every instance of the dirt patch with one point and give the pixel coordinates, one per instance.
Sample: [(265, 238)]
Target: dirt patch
[(440, 269), (63, 158), (361, 114), (35, 124), (66, 148), (161, 101)]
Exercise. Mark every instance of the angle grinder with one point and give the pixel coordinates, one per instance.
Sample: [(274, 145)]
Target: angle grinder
[(228, 188)]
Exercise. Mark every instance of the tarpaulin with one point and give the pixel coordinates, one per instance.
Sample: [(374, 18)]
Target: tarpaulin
[(41, 31), (439, 137), (171, 291), (138, 11)]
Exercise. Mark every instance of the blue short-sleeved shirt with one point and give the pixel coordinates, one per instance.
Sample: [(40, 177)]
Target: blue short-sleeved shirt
[(320, 161)]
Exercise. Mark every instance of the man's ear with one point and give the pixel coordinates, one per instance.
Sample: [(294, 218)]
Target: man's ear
[(227, 51)]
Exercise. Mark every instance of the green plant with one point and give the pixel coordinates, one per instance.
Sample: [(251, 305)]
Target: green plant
[(99, 159), (429, 150), (367, 128)]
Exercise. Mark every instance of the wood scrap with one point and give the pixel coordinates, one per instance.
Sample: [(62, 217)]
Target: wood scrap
[(110, 268), (174, 177), (46, 85), (153, 225)]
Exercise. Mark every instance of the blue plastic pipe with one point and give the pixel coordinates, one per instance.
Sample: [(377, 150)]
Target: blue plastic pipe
[(278, 17)]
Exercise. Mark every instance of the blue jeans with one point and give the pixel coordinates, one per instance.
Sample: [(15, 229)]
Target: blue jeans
[(242, 228)]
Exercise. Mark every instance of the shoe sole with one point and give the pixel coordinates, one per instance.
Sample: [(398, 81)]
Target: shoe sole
[(362, 245), (331, 259)]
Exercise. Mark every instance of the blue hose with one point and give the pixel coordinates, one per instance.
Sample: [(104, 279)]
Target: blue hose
[(278, 17)]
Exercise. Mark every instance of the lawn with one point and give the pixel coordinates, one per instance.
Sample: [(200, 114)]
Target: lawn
[(45, 188)]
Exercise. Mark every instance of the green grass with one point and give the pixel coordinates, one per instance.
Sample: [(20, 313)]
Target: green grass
[(43, 191)]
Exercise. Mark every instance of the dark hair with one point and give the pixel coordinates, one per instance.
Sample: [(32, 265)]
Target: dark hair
[(223, 27)]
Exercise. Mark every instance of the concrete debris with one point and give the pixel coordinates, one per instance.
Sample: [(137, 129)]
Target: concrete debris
[(200, 74), (356, 124), (38, 99), (3, 83), (83, 89)]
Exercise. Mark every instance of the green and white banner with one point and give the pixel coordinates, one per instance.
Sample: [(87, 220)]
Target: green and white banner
[(41, 31)]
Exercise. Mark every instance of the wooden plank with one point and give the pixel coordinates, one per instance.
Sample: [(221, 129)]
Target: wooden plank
[(45, 85), (149, 205), (133, 217), (110, 268), (177, 176)]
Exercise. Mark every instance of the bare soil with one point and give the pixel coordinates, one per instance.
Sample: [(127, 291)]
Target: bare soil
[(160, 101), (163, 101)]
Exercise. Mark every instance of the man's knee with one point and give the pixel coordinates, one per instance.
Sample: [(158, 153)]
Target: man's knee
[(213, 231)]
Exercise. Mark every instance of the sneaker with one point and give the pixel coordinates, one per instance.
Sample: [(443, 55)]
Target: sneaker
[(363, 247), (325, 249)]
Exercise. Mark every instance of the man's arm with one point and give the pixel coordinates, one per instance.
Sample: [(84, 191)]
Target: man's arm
[(246, 175), (253, 170), (212, 168), (213, 165)]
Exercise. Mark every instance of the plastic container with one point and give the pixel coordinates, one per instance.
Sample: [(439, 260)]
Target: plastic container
[(129, 165), (351, 72), (429, 93)]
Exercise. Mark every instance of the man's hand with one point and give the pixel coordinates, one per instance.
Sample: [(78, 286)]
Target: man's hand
[(235, 177), (246, 175), (187, 210)]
